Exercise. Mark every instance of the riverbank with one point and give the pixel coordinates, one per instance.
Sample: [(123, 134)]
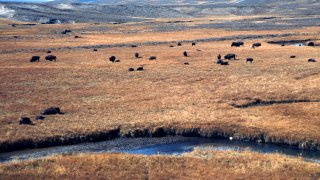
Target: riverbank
[(199, 164)]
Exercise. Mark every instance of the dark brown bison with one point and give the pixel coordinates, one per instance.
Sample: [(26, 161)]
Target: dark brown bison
[(112, 58), (237, 44), (312, 60), (35, 59), (134, 46), (25, 121), (137, 55), (186, 63), (49, 52), (250, 60), (140, 68), (95, 49), (292, 57), (185, 53), (152, 58), (193, 44), (311, 44), (254, 45), (230, 56), (51, 58), (131, 69), (219, 61), (179, 44), (219, 56), (52, 111)]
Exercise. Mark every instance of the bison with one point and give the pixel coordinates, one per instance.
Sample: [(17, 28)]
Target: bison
[(137, 55), (131, 69), (25, 121), (152, 58), (237, 44), (193, 43), (49, 52), (112, 58), (254, 45), (312, 60), (52, 111), (311, 44), (219, 56), (185, 53), (35, 59), (186, 63), (250, 60), (95, 49), (140, 68), (179, 44), (292, 57), (230, 56), (51, 58)]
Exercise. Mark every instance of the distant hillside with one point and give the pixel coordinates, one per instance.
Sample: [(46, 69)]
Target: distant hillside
[(134, 10)]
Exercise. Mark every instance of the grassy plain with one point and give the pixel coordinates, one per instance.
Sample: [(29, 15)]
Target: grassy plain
[(98, 95)]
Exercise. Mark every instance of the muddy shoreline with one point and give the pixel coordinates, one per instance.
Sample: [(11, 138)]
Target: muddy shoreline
[(213, 133)]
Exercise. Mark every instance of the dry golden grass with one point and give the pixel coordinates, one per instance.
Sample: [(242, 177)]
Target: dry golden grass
[(200, 164), (98, 95)]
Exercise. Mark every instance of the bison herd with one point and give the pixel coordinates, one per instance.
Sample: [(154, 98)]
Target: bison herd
[(48, 58), (48, 111), (220, 61)]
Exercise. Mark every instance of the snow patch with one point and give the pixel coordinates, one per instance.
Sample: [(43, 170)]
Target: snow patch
[(65, 6), (6, 12)]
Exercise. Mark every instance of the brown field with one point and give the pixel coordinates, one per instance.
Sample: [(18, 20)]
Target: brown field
[(196, 165), (98, 96)]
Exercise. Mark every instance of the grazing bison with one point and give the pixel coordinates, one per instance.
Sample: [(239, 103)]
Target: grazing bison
[(35, 59), (76, 37), (186, 63), (193, 44), (49, 52), (117, 60), (292, 57), (224, 63), (112, 58), (254, 45), (171, 46), (152, 58), (95, 49), (311, 44), (230, 56), (312, 60), (134, 46), (137, 55), (52, 111), (179, 44), (51, 58), (131, 69), (219, 56), (140, 68), (237, 44), (185, 53), (250, 60), (25, 121)]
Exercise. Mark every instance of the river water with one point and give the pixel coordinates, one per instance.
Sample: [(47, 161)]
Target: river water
[(163, 146)]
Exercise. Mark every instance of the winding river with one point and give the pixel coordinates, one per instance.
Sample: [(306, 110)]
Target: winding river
[(164, 146)]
